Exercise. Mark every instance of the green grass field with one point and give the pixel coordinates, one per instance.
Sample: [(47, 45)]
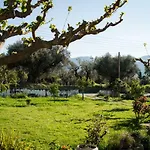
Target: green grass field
[(64, 120)]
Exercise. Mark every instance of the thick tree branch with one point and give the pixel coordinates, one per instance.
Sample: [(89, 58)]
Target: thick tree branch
[(12, 12), (13, 31), (97, 31), (38, 44), (90, 27), (64, 39), (7, 31)]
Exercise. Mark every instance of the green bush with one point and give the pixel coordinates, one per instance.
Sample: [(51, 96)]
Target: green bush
[(146, 142), (12, 142), (54, 89), (32, 95), (18, 95), (141, 108), (54, 146), (133, 90), (113, 143), (37, 86), (136, 90), (127, 140), (147, 88), (95, 132), (28, 101)]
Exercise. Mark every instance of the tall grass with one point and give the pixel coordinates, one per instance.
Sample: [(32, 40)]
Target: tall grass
[(10, 141)]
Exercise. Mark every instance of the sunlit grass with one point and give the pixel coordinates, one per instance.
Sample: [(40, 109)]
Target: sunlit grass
[(61, 120)]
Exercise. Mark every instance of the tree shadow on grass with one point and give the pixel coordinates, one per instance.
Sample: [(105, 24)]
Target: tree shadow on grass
[(117, 100), (80, 120), (107, 116), (117, 110), (113, 118), (20, 106), (59, 100), (131, 124)]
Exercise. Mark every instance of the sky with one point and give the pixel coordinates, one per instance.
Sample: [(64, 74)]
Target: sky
[(127, 38)]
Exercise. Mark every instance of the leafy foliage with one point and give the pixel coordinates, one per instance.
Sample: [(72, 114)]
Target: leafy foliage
[(82, 84), (9, 141), (96, 132), (135, 90), (54, 89), (54, 146), (129, 140), (40, 63), (7, 78), (18, 95), (107, 66), (23, 8), (141, 108)]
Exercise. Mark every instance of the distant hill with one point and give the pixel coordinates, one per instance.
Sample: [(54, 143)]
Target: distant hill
[(82, 58), (88, 58), (140, 65)]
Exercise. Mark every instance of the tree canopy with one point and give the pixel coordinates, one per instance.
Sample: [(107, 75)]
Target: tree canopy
[(13, 9), (40, 62), (107, 66)]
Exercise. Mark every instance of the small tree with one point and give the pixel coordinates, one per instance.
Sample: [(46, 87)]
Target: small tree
[(96, 131), (54, 90), (107, 67), (82, 84), (141, 108), (7, 78), (117, 86), (135, 89)]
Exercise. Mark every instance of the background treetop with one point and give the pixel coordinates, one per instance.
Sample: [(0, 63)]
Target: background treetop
[(13, 9)]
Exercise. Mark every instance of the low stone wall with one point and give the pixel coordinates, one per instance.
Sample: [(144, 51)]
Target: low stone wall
[(40, 93)]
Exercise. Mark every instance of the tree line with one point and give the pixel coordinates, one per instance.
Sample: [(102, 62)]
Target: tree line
[(55, 66)]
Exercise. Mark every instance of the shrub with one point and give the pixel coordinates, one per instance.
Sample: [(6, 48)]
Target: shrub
[(113, 143), (106, 97), (18, 95), (32, 95), (133, 90), (54, 146), (147, 88), (95, 132), (28, 101), (12, 142), (127, 96), (54, 89), (82, 84), (117, 86), (128, 141), (146, 142), (141, 108)]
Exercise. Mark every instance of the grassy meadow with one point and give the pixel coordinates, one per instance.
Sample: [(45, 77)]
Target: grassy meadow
[(64, 120)]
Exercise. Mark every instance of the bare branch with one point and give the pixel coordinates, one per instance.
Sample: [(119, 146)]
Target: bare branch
[(145, 63)]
